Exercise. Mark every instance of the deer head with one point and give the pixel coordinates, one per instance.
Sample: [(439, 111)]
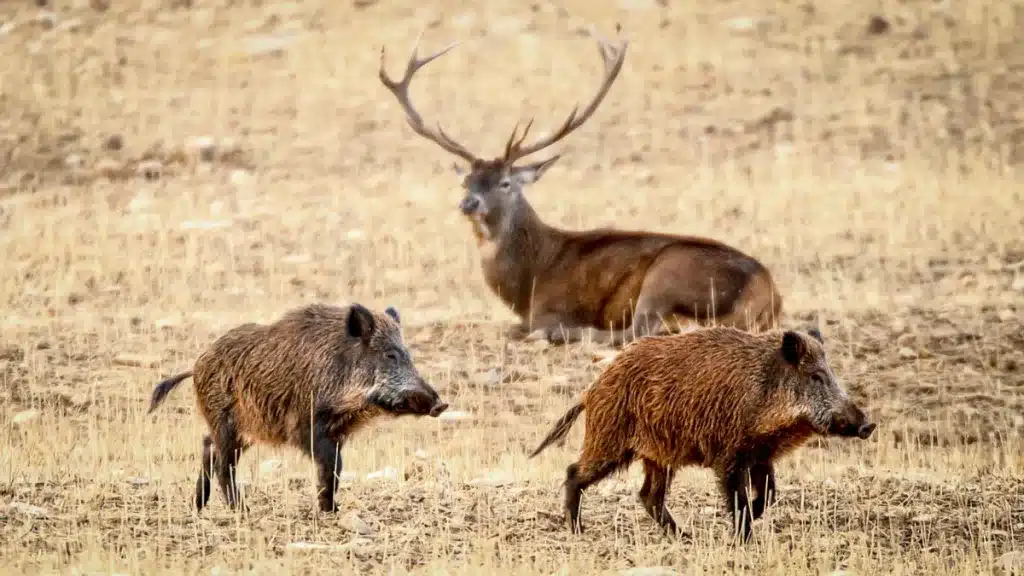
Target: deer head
[(494, 188)]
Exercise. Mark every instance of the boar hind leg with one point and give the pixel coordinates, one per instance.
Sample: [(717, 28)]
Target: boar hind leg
[(327, 455), (581, 475), (656, 481), (229, 448), (205, 473)]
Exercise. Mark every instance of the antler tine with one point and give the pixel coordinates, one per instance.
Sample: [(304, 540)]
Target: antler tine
[(514, 142), (511, 140), (400, 90), (613, 58)]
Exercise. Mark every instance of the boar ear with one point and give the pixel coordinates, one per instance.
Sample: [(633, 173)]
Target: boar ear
[(360, 322), (390, 311), (816, 334), (793, 347)]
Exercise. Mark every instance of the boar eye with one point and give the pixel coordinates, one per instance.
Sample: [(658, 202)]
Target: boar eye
[(391, 355), (817, 380)]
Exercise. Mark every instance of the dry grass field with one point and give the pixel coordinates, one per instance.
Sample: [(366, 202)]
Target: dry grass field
[(172, 168)]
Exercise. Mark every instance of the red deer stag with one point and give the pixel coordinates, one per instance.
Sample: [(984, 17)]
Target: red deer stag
[(615, 285)]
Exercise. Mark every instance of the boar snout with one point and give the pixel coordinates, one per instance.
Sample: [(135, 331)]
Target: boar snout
[(851, 423), (422, 401), (865, 430)]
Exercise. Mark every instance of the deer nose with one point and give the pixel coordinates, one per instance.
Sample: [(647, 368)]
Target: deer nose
[(469, 205)]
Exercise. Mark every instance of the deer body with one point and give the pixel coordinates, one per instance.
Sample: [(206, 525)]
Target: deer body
[(614, 285), (568, 283)]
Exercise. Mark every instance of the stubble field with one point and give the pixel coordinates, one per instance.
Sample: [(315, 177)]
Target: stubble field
[(172, 169)]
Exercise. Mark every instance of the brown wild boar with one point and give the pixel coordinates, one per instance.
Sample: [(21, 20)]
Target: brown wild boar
[(310, 380), (715, 397), (610, 284)]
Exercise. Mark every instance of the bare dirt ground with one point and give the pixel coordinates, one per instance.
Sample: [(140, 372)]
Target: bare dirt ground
[(172, 168)]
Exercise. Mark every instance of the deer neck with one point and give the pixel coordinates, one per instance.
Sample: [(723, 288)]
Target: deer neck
[(515, 255)]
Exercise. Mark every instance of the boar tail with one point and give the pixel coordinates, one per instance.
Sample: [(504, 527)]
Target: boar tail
[(561, 428), (164, 388)]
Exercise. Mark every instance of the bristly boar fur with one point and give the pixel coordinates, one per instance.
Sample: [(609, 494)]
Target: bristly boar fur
[(716, 397), (309, 380)]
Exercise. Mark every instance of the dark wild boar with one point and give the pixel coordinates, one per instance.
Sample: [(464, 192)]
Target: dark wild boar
[(715, 397), (310, 380), (610, 284)]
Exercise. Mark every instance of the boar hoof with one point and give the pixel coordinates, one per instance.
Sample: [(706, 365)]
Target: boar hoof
[(677, 533), (328, 505)]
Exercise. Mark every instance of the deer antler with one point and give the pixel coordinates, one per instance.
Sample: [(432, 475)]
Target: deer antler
[(613, 58), (401, 91)]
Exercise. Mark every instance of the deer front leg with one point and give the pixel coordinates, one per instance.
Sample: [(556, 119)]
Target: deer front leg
[(652, 316), (518, 332), (558, 330), (643, 324), (560, 333), (554, 328)]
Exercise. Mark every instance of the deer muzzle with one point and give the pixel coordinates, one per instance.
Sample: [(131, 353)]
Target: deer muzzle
[(469, 205)]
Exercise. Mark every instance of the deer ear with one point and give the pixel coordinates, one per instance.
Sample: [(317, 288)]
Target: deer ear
[(530, 173), (360, 322), (793, 347)]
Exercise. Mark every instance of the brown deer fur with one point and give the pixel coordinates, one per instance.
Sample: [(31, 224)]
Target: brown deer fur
[(715, 397), (309, 380), (611, 284)]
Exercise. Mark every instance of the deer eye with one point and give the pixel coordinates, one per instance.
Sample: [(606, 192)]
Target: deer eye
[(505, 184)]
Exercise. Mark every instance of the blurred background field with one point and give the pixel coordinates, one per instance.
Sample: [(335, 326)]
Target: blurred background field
[(172, 168)]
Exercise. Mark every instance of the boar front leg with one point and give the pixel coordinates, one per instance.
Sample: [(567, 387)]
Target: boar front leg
[(326, 452), (734, 477), (762, 481)]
